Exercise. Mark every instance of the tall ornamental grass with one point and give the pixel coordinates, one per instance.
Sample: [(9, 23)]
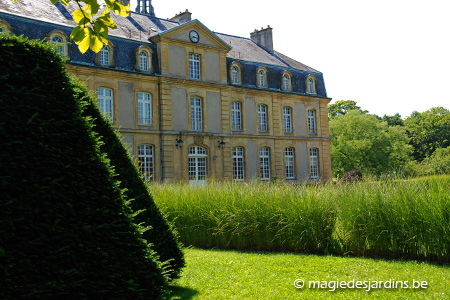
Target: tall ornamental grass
[(387, 218)]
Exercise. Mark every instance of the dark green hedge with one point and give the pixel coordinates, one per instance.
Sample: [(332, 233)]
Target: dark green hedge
[(161, 235), (65, 230)]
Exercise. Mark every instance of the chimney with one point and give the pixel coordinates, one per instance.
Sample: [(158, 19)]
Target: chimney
[(263, 37), (145, 7), (182, 17)]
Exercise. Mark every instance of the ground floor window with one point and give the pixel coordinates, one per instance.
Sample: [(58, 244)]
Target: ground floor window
[(238, 163), (314, 162), (197, 164), (146, 165), (264, 163), (289, 161)]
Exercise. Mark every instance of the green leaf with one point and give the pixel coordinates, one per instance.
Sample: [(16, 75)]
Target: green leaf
[(65, 2), (95, 43), (100, 28), (78, 15), (77, 34)]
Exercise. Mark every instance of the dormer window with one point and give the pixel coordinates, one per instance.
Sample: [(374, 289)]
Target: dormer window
[(4, 26), (261, 77), (144, 59), (60, 39), (235, 73), (311, 84), (105, 57), (286, 82)]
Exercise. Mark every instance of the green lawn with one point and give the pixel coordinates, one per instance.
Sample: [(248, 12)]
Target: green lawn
[(239, 275)]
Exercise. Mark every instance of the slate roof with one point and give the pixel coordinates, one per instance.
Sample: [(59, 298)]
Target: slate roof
[(139, 27)]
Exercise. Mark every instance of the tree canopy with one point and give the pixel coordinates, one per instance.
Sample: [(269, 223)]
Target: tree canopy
[(341, 107), (94, 24), (362, 141)]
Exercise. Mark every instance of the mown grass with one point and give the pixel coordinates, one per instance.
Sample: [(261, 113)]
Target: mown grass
[(407, 219), (238, 275)]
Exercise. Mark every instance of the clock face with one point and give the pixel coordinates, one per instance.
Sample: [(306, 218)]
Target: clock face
[(193, 35)]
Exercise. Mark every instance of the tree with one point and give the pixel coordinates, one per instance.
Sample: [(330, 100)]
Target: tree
[(92, 30), (395, 120), (341, 107), (361, 141), (428, 131)]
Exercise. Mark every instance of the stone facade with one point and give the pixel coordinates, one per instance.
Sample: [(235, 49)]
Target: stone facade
[(241, 109)]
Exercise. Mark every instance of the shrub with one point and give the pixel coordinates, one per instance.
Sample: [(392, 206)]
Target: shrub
[(64, 225), (161, 234)]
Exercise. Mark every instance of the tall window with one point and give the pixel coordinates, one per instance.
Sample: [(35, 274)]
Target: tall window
[(289, 160), (286, 82), (146, 166), (194, 66), (234, 75), (236, 116), (104, 56), (287, 117), (264, 163), (144, 109), (261, 78), (262, 118), (105, 101), (143, 61), (238, 163), (57, 40), (312, 122), (197, 164), (314, 162), (196, 114), (311, 88)]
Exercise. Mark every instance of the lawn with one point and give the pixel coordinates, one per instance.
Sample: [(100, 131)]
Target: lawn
[(216, 274)]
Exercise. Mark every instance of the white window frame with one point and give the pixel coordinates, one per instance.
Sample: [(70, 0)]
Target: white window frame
[(104, 56), (197, 165), (312, 122), (262, 118), (310, 85), (105, 98), (287, 119), (144, 60), (196, 114), (58, 40), (314, 163), (238, 164), (261, 78), (234, 75), (194, 66), (236, 116), (146, 161), (289, 159), (264, 163), (144, 108), (286, 82)]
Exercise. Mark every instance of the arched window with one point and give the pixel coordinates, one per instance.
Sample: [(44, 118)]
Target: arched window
[(238, 163), (234, 75), (286, 82), (104, 56), (105, 101), (4, 26), (314, 162), (60, 39), (57, 40), (146, 162), (264, 163), (310, 84), (143, 61), (261, 78), (144, 108), (197, 165), (289, 163)]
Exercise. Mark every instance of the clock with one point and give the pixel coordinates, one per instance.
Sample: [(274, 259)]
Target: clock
[(193, 36)]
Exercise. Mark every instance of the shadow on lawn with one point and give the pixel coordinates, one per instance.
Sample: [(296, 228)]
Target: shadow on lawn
[(183, 293)]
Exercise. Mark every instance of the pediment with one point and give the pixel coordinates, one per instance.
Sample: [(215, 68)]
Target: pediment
[(180, 34)]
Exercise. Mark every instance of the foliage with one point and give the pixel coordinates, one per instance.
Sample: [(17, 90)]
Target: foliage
[(92, 29), (64, 224), (341, 107), (395, 120), (362, 142), (161, 236), (220, 275), (428, 131), (389, 218)]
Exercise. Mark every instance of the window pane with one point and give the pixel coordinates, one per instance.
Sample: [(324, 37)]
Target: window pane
[(105, 101), (287, 117), (196, 114), (197, 163), (194, 66), (262, 117), (286, 83), (314, 162), (238, 163), (290, 164), (58, 40), (264, 163), (236, 119), (261, 78), (312, 121), (146, 167), (144, 109), (104, 56), (234, 75), (143, 60)]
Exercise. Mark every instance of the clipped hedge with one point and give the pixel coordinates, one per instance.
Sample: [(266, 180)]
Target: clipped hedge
[(65, 230), (161, 235)]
